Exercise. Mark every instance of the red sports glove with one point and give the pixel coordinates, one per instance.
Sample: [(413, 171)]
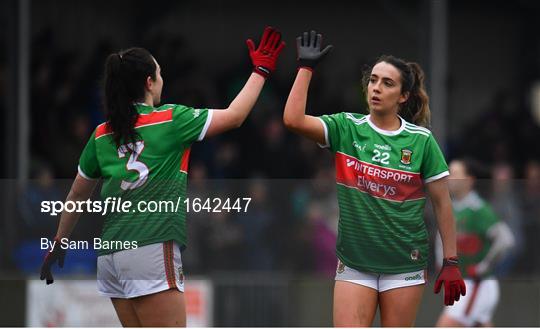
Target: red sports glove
[(265, 56), (58, 254), (453, 282)]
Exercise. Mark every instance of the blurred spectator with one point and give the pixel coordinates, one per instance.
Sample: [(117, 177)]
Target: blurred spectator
[(506, 205), (70, 144), (274, 149), (531, 213), (323, 241), (258, 248), (532, 181), (314, 213), (223, 240), (36, 224), (227, 161), (192, 257), (488, 138)]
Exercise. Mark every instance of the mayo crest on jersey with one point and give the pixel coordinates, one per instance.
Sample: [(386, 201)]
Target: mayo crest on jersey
[(381, 176), (154, 168)]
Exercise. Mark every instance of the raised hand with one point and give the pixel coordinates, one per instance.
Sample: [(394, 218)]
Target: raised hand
[(265, 56), (308, 47)]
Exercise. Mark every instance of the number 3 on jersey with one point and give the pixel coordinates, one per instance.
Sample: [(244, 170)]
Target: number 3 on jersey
[(380, 157), (133, 164)]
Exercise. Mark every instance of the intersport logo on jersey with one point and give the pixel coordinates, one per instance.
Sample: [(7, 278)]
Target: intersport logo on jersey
[(385, 183)]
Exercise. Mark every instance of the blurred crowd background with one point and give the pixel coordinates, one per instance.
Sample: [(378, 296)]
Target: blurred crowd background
[(492, 64)]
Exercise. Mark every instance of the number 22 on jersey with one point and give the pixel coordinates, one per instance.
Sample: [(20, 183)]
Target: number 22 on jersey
[(380, 157), (134, 164)]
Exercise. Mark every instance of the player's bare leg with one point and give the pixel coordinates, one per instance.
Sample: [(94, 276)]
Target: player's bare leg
[(354, 305), (447, 321), (162, 309), (126, 313), (399, 306)]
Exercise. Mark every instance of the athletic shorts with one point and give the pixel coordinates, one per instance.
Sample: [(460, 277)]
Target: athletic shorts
[(478, 305), (379, 281), (142, 271)]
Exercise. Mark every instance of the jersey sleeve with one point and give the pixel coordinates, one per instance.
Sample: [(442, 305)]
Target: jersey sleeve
[(88, 162), (190, 123), (434, 165), (333, 130)]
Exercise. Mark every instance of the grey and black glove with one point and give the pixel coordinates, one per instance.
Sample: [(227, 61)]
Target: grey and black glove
[(308, 47)]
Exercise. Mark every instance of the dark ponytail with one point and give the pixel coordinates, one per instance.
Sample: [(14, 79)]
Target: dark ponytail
[(416, 108), (125, 78), (417, 105)]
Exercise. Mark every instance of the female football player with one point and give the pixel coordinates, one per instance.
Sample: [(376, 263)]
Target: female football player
[(481, 241), (384, 162), (141, 153)]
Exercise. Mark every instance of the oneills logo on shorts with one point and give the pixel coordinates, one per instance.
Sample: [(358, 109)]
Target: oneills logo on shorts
[(417, 276), (406, 156), (340, 267)]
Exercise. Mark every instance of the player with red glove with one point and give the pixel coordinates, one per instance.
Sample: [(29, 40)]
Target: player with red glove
[(450, 276), (149, 293), (265, 56), (382, 245)]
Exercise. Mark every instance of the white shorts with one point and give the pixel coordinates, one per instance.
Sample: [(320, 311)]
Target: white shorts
[(478, 305), (378, 281), (141, 271)]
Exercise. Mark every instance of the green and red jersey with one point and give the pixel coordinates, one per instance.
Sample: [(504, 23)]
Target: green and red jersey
[(153, 168), (380, 178), (474, 219)]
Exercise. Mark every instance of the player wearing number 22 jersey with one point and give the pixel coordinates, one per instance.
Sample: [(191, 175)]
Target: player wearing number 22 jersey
[(158, 161), (380, 178), (384, 166)]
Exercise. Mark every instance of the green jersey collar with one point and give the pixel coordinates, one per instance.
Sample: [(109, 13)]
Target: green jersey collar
[(143, 108), (471, 200), (386, 132)]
